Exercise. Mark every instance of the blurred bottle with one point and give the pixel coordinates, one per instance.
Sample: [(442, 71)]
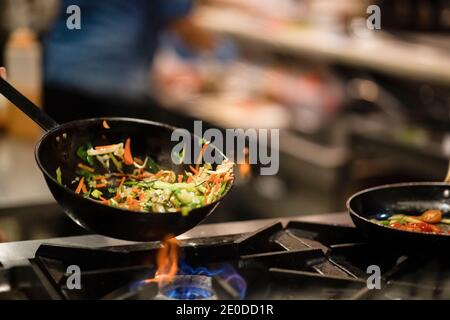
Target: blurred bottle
[(23, 60)]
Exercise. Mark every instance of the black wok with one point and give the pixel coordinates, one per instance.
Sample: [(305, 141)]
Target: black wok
[(57, 148), (402, 198)]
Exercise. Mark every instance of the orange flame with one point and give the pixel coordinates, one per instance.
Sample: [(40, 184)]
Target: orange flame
[(166, 261), (244, 168)]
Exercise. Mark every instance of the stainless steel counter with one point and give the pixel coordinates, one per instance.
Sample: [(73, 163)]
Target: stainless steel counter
[(18, 253)]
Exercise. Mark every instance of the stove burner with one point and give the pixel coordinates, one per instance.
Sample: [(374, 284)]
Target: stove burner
[(297, 261), (187, 287)]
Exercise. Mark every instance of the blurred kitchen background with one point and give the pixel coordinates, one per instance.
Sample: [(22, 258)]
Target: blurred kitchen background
[(355, 107)]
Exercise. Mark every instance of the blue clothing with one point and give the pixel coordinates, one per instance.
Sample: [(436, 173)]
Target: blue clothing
[(112, 53)]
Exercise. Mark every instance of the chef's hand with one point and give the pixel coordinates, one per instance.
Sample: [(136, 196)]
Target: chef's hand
[(3, 72)]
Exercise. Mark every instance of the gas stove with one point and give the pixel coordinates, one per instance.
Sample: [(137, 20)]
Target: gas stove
[(302, 258)]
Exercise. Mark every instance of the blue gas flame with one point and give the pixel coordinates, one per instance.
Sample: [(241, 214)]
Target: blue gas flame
[(189, 293), (185, 269), (225, 272)]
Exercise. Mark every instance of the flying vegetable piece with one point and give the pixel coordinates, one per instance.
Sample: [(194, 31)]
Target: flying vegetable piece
[(59, 175), (116, 149), (127, 156), (106, 125)]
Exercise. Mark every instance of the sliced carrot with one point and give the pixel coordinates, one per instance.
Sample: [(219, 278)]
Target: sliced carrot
[(122, 182), (84, 189), (180, 178), (208, 188), (133, 204), (120, 186), (99, 178), (200, 156), (80, 185), (100, 185), (136, 189), (106, 125), (85, 167), (105, 147), (127, 156), (195, 171), (189, 179), (103, 199), (115, 174)]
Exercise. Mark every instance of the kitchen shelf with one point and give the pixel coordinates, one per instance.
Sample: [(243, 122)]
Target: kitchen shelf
[(227, 114), (380, 52)]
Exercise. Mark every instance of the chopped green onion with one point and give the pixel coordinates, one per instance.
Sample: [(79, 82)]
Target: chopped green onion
[(116, 163), (59, 175)]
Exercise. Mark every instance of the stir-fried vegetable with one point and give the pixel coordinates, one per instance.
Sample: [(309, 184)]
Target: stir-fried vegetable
[(59, 175), (111, 175), (106, 125), (430, 221), (127, 157)]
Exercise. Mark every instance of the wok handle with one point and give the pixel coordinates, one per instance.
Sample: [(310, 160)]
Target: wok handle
[(26, 106)]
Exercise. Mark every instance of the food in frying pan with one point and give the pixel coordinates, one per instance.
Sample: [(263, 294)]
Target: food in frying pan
[(430, 221), (112, 176)]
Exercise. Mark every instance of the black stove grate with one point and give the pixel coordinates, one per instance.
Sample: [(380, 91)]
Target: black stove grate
[(299, 261)]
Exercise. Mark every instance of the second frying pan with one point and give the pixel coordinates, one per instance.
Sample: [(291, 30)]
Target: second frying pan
[(404, 198), (57, 148)]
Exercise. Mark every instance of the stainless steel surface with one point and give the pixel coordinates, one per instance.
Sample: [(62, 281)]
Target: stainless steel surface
[(17, 253)]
